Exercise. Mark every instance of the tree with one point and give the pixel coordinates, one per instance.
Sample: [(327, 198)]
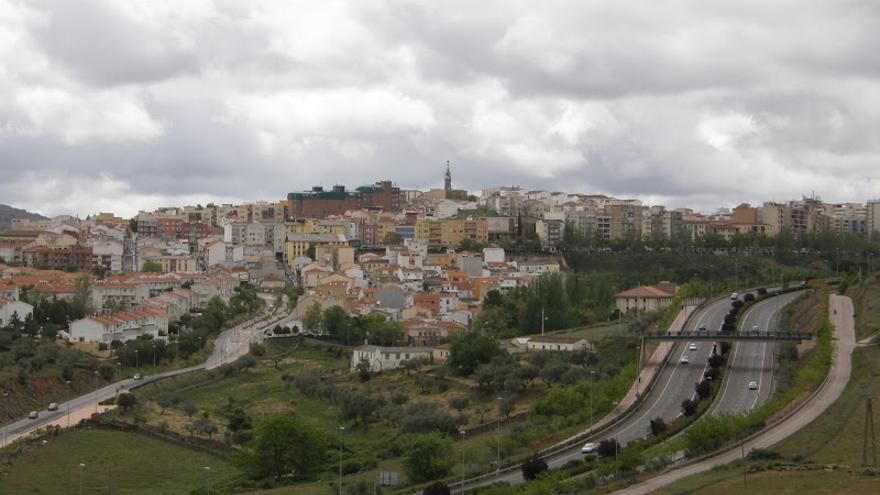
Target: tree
[(126, 401), (493, 299), (438, 488), (363, 370), (533, 467), (284, 445), (506, 406), (608, 448), (338, 324), (703, 389), (313, 318), (428, 457), (205, 426), (482, 409), (715, 361), (107, 370), (459, 403), (152, 267), (238, 420), (658, 426), (470, 350), (553, 371), (689, 407), (189, 408)]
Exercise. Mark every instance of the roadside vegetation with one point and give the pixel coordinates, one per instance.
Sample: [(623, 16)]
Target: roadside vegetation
[(391, 420)]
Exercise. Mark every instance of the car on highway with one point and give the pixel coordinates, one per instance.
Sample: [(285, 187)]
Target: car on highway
[(753, 385), (702, 327), (589, 448), (52, 406), (137, 376), (33, 415), (756, 328), (735, 295), (684, 359), (692, 347)]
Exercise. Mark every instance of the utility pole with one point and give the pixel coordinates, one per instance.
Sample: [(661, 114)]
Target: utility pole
[(498, 439), (543, 319), (869, 432), (742, 446)]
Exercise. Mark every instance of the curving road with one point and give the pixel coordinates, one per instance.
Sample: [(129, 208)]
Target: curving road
[(752, 361), (228, 346), (828, 393)]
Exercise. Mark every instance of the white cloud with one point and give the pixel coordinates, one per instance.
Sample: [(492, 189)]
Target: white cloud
[(690, 103)]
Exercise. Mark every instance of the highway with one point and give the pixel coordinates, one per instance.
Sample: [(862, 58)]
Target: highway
[(752, 361), (674, 384), (228, 346)]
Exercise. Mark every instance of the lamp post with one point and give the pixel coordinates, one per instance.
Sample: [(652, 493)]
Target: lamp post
[(96, 390), (137, 362), (207, 479), (592, 379), (638, 370), (341, 429), (82, 467), (498, 439), (710, 387), (462, 433), (67, 384)]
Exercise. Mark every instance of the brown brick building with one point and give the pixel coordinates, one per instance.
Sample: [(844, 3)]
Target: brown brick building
[(79, 257), (319, 203)]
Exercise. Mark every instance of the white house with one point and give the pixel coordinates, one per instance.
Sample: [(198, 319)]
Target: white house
[(121, 326), (493, 255), (10, 309), (551, 343), (215, 253), (387, 358)]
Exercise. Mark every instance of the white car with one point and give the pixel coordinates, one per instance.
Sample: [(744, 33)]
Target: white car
[(137, 376), (53, 406), (589, 448), (702, 327), (684, 359), (735, 295), (692, 347), (756, 328), (753, 385), (33, 415)]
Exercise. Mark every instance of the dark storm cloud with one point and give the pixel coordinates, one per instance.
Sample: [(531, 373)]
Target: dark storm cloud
[(128, 105)]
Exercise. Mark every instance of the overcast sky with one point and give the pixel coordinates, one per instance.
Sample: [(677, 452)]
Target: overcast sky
[(127, 105)]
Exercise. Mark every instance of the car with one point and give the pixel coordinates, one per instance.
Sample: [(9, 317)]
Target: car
[(33, 415), (137, 376), (753, 385), (756, 328), (692, 347), (589, 448), (53, 406), (702, 327), (735, 295), (684, 359)]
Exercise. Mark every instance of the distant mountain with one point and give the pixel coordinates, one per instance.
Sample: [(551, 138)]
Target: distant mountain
[(7, 213)]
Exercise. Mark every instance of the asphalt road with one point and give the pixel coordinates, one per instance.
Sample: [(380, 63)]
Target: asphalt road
[(829, 392), (674, 384), (228, 346), (752, 361)]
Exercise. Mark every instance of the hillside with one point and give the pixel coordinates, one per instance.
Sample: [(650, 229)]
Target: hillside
[(7, 213)]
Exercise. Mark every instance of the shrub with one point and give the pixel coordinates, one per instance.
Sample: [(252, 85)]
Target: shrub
[(533, 467), (749, 297), (689, 407), (608, 447), (438, 488), (658, 426)]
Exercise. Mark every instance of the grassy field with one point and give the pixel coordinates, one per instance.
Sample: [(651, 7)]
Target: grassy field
[(111, 462), (367, 449), (730, 480), (596, 332), (866, 300)]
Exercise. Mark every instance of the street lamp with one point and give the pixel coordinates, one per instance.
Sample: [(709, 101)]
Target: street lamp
[(154, 355), (498, 439), (710, 387), (207, 479), (638, 370), (341, 429), (137, 362), (67, 384), (462, 433), (96, 390), (592, 379), (81, 469)]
